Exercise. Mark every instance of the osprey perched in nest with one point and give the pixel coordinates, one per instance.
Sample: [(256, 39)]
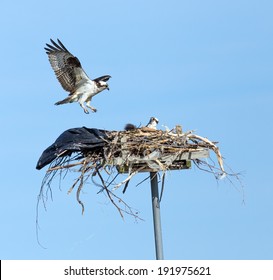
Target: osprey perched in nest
[(151, 125), (72, 77)]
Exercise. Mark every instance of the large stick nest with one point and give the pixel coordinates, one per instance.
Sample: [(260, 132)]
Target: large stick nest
[(132, 152)]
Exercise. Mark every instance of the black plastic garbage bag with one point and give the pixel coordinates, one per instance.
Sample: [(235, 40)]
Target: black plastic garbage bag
[(81, 139)]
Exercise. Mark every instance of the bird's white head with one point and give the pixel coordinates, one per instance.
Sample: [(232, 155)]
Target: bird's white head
[(102, 85), (101, 82), (153, 123)]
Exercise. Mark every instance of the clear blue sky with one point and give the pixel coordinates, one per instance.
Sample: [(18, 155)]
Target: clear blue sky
[(204, 64)]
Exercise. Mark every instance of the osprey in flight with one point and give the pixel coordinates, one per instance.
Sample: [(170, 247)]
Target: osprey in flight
[(72, 77)]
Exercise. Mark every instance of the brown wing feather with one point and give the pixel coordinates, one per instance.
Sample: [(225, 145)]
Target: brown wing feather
[(66, 66)]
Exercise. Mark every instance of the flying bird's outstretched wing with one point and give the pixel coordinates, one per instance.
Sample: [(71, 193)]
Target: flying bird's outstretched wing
[(66, 66)]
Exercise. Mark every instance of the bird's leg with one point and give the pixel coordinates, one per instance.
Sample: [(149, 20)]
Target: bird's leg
[(89, 106), (85, 110)]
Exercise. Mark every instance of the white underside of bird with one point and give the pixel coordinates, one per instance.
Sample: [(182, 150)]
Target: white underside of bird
[(83, 95)]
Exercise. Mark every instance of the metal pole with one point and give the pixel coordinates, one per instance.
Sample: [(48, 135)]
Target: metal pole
[(156, 216)]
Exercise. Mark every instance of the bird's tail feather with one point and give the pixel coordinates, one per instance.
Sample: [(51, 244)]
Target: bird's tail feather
[(66, 100)]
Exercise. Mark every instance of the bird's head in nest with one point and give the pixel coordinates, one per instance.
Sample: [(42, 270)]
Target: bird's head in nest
[(153, 123), (101, 82)]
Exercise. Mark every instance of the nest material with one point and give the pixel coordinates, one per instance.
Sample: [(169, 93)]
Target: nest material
[(157, 150), (132, 152)]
